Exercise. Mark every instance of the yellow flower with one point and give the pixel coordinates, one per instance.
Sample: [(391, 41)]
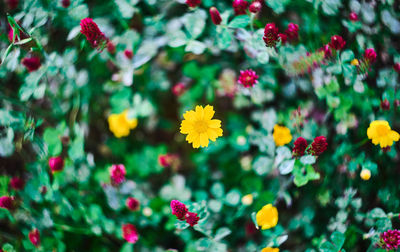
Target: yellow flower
[(381, 133), (365, 174), (355, 62), (281, 135), (247, 199), (269, 249), (120, 124), (199, 126), (267, 217)]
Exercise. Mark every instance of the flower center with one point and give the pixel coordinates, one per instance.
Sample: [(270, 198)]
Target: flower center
[(200, 126), (382, 130)]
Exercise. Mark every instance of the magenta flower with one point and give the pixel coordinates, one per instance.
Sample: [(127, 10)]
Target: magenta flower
[(255, 6), (32, 63), (240, 7), (128, 54), (7, 202), (389, 240), (17, 183), (215, 16), (65, 3), (178, 89), (117, 174), (130, 233), (193, 3), (370, 55), (337, 42), (94, 36), (327, 51), (353, 16), (385, 104), (178, 209), (132, 204), (192, 218), (283, 38), (319, 145), (248, 78), (34, 237), (292, 31), (300, 146), (396, 67), (270, 35), (56, 164)]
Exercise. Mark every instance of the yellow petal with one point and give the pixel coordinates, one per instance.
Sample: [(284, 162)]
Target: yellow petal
[(204, 140), (208, 112), (214, 123)]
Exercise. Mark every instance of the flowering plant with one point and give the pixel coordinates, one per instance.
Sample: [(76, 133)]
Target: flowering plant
[(198, 125)]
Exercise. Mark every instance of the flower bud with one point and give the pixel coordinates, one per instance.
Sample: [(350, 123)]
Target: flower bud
[(353, 16), (397, 67), (370, 55), (178, 209), (255, 6), (117, 174), (292, 31), (128, 54), (31, 63), (193, 3), (337, 42), (17, 183), (132, 204), (319, 145), (192, 218), (34, 237), (385, 104), (94, 36), (111, 47), (130, 233), (365, 174), (7, 202), (215, 16), (65, 3), (240, 7), (270, 35), (56, 164)]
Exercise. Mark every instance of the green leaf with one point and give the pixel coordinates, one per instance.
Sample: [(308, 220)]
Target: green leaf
[(224, 38), (6, 143), (52, 139), (338, 239), (239, 22), (347, 56), (286, 166), (222, 233), (195, 23), (308, 159), (377, 213)]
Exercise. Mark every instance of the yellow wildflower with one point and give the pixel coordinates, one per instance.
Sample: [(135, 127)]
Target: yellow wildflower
[(267, 217), (281, 135), (355, 62), (199, 126), (120, 125), (269, 249), (247, 199), (365, 174), (380, 133)]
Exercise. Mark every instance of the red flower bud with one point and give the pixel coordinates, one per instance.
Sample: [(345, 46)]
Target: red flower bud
[(128, 54), (353, 16), (240, 7), (396, 103), (215, 16), (132, 204), (319, 145), (192, 218), (255, 6), (94, 36), (270, 35), (117, 174), (385, 104), (327, 51), (193, 3), (17, 183), (34, 237), (130, 233), (65, 3), (12, 4), (283, 38), (370, 55), (56, 164), (111, 47), (300, 146), (7, 202), (32, 63), (337, 42), (178, 209), (397, 67), (292, 31), (178, 89)]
